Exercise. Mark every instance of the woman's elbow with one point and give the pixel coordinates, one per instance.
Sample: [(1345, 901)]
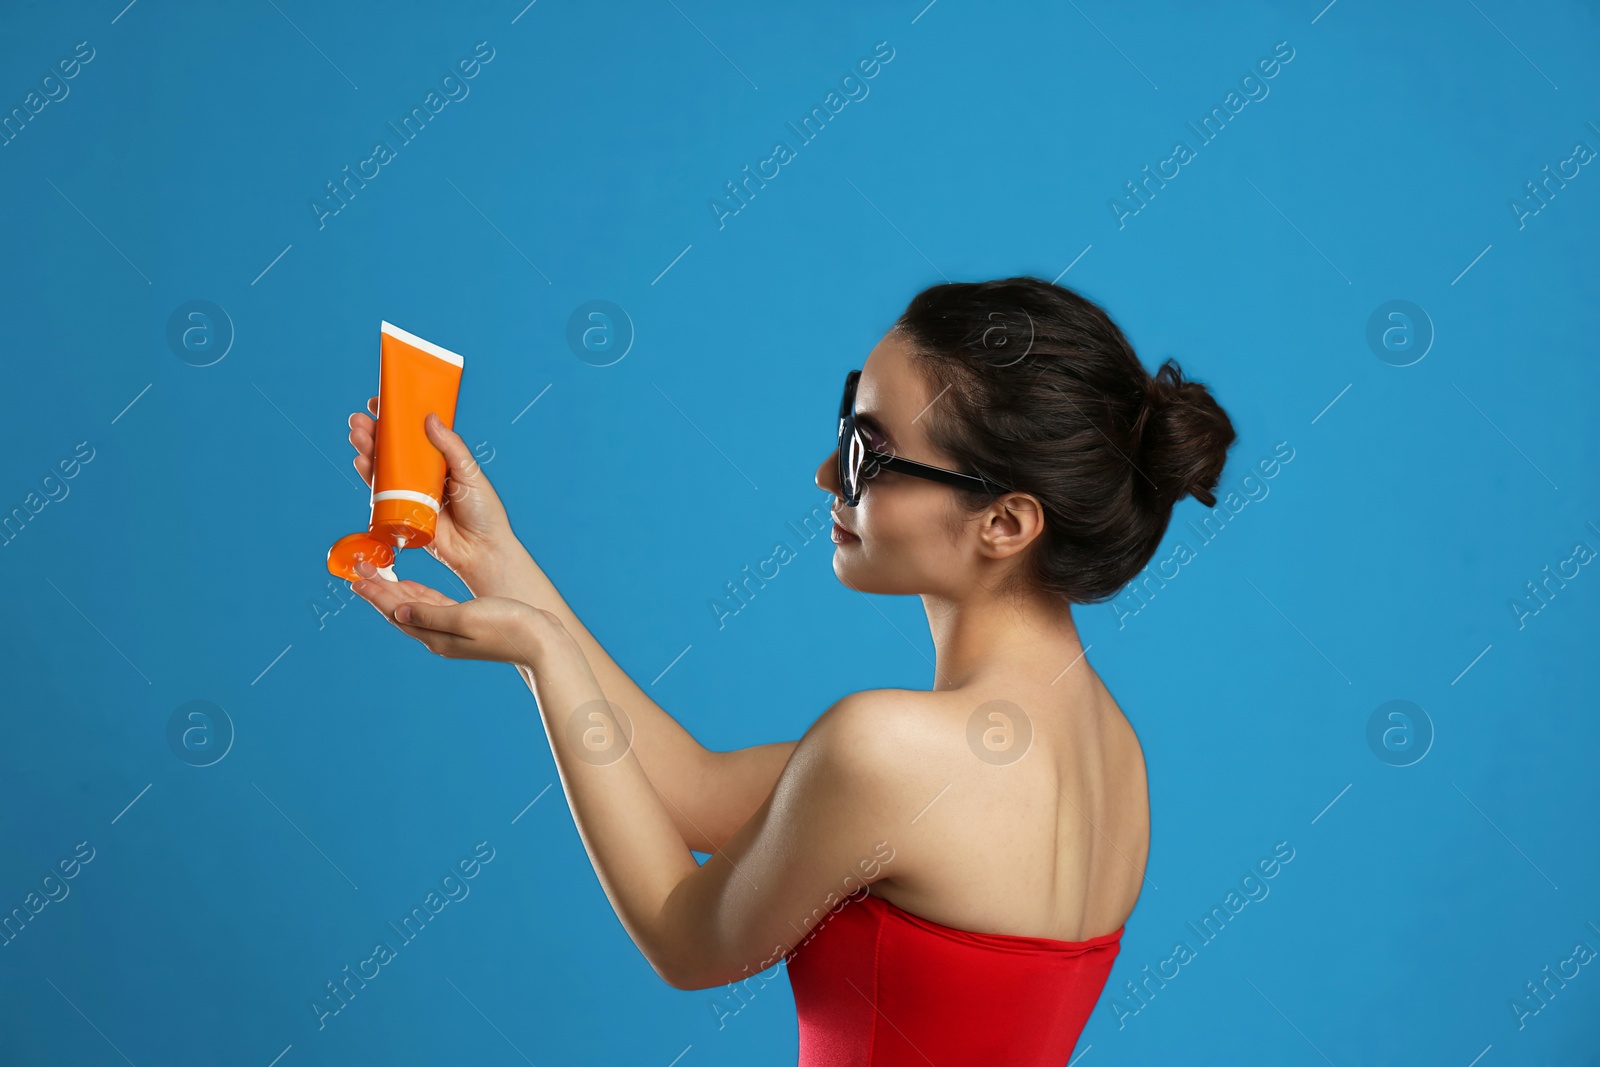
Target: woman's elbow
[(681, 977), (689, 970)]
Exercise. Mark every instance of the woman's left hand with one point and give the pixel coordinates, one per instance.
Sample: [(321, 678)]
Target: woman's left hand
[(489, 628)]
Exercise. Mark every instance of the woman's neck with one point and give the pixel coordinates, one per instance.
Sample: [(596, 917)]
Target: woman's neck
[(979, 637)]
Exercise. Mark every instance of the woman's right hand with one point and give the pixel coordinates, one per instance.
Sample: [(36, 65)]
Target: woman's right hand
[(472, 531)]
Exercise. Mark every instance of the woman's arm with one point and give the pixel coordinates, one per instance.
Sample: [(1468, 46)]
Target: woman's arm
[(824, 833), (841, 810), (708, 794)]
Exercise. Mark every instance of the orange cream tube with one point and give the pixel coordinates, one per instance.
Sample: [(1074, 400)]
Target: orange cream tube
[(414, 378)]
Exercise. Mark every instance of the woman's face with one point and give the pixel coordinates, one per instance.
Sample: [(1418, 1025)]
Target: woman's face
[(899, 538)]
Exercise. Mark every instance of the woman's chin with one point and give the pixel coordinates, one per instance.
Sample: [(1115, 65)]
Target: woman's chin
[(850, 569)]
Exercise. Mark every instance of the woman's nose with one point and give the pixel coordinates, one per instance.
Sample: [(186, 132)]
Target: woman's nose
[(828, 474)]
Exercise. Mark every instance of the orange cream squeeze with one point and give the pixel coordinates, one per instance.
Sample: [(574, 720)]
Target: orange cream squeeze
[(414, 378)]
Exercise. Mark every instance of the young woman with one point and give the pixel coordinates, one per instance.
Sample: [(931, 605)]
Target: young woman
[(946, 871)]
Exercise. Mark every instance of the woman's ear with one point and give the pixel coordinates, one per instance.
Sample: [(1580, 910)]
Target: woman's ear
[(1011, 524)]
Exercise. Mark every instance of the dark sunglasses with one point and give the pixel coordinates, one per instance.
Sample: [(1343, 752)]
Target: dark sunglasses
[(857, 462)]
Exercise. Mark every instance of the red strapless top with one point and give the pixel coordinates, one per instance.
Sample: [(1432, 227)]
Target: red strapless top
[(876, 986)]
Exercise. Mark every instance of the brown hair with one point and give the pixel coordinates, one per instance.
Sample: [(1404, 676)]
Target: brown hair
[(1037, 389)]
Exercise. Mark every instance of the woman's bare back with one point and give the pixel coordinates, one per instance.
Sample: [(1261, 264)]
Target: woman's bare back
[(1051, 843)]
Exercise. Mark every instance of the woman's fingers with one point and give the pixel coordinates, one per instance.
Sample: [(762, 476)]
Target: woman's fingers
[(363, 458), (386, 595), (491, 628), (464, 469), (426, 594), (363, 429), (411, 589), (439, 625), (433, 617), (372, 405), (363, 432), (475, 506), (463, 465)]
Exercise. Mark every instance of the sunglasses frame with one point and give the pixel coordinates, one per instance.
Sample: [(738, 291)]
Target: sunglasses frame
[(872, 461)]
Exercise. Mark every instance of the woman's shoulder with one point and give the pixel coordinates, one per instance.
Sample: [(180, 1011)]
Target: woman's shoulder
[(884, 716), (917, 736), (904, 736), (869, 721)]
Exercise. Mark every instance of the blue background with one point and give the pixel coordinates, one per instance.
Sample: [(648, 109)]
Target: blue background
[(186, 560)]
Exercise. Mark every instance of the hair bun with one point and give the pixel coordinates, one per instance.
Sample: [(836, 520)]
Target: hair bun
[(1183, 436)]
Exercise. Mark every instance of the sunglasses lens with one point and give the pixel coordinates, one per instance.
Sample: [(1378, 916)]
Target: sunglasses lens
[(852, 481), (850, 444)]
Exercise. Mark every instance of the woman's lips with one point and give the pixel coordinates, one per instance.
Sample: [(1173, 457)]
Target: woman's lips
[(841, 536)]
